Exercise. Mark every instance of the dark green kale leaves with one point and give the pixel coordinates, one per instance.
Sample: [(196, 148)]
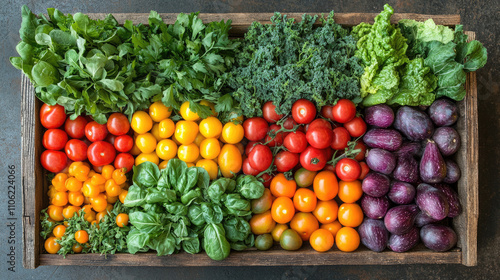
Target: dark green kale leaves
[(286, 60)]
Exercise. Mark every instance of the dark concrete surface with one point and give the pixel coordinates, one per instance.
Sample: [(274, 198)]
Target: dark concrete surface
[(480, 16)]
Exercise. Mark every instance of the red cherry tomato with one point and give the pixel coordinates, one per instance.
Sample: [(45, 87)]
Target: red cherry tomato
[(255, 128), (53, 161), (76, 150), (319, 137), (278, 137), (295, 142), (313, 159), (269, 112), (361, 155), (326, 112), (267, 179), (344, 111), (319, 123), (356, 127), (348, 169), (54, 139), (124, 143), (286, 161), (328, 153), (101, 153), (364, 170), (249, 147), (248, 169), (124, 160), (96, 132), (261, 157), (303, 111), (289, 123), (340, 138), (118, 124), (75, 128), (329, 167), (110, 138), (52, 116)]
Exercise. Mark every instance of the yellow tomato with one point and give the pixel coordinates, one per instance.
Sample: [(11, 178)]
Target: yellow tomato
[(210, 148), (187, 114), (186, 131), (199, 138), (141, 122), (166, 149), (166, 128), (156, 131), (210, 166), (209, 104), (240, 147), (229, 160), (135, 150), (232, 133), (163, 164), (210, 127), (158, 111), (190, 164), (152, 157), (146, 143), (188, 153)]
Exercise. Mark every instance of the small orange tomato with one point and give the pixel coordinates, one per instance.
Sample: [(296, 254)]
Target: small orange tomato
[(350, 192), (122, 220), (99, 203), (325, 185), (166, 128), (107, 171), (282, 210), (158, 111), (277, 231), (210, 148), (304, 200), (73, 184), (59, 181), (122, 196), (59, 231), (305, 224), (60, 199), (90, 190), (73, 166), (77, 248), (347, 239), (350, 215), (262, 223), (210, 166), (119, 176), (326, 211), (81, 172), (75, 198), (111, 200), (321, 240), (51, 245), (333, 228), (281, 186), (229, 160), (70, 211), (81, 236), (97, 179), (55, 213)]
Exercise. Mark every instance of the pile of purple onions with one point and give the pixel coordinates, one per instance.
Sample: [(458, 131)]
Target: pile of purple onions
[(407, 196)]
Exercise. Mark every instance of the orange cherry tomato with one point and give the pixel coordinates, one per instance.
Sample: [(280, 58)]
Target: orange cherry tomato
[(333, 228), (277, 231), (99, 216), (122, 196), (107, 171), (59, 231), (112, 189), (59, 182), (119, 176), (81, 236), (60, 199), (97, 179), (347, 239), (81, 172), (282, 210), (51, 245), (70, 211), (77, 248), (262, 223), (350, 215), (321, 240), (280, 186), (304, 200), (90, 190), (99, 203), (75, 198), (350, 192), (325, 185), (326, 211), (305, 224), (122, 220), (55, 213), (73, 184)]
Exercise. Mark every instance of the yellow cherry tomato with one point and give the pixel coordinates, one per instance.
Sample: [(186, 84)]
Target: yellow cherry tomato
[(210, 166), (229, 160), (186, 131), (156, 131), (166, 128), (146, 142), (141, 122), (199, 138), (166, 149), (187, 114), (190, 164), (240, 147), (232, 133), (175, 140), (210, 148), (163, 164), (210, 127), (209, 104), (158, 111), (188, 153), (135, 150), (152, 157)]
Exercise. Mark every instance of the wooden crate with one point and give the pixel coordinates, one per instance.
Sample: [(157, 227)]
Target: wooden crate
[(35, 186)]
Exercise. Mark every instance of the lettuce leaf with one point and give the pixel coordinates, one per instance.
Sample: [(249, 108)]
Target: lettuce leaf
[(418, 33)]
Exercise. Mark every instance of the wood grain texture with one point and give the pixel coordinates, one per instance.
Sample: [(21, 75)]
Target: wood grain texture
[(468, 160)]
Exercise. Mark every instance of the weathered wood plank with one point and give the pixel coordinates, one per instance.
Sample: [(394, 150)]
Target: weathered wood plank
[(273, 257), (467, 159)]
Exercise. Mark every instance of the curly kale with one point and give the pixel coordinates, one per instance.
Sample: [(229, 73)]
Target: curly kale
[(286, 60)]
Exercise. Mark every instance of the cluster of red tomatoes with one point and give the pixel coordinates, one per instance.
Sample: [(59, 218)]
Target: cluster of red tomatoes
[(81, 139), (279, 144)]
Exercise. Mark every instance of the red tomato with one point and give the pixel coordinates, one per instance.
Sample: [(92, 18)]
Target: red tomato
[(319, 123), (329, 167), (285, 161), (267, 179), (249, 147), (76, 150), (326, 112), (340, 138), (54, 139), (328, 153), (303, 111), (313, 159), (248, 169), (319, 137), (53, 161), (348, 169), (101, 153), (261, 157), (344, 111), (295, 142), (364, 170), (75, 128), (255, 128), (96, 132), (124, 160), (110, 138), (118, 124), (361, 155), (124, 143), (278, 137), (356, 127), (269, 112), (52, 116), (289, 123)]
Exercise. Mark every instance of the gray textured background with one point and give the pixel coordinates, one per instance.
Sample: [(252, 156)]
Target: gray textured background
[(480, 16)]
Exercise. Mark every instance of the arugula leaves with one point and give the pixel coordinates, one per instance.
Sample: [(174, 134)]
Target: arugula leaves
[(178, 209)]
